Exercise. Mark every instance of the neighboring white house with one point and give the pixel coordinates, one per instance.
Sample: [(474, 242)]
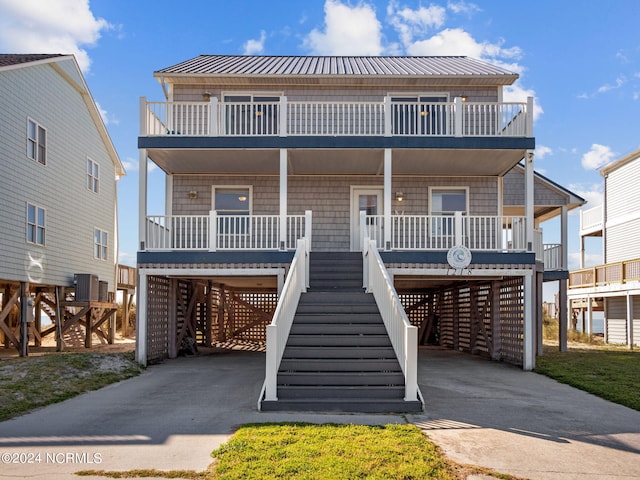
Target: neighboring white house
[(614, 286), (58, 201), (412, 163)]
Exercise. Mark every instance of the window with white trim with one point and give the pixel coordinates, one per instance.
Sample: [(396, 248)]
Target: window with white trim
[(447, 201), (100, 242), (36, 224), (233, 202), (36, 142), (93, 176)]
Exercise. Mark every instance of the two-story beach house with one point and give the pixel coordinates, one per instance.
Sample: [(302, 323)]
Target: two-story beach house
[(612, 287), (58, 219), (343, 211)]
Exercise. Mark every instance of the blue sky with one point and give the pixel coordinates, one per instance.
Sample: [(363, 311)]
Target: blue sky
[(578, 58)]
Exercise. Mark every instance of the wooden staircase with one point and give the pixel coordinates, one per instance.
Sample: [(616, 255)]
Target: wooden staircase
[(338, 355)]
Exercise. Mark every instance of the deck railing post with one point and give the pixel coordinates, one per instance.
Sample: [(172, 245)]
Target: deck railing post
[(388, 115), (363, 229), (213, 231), (270, 380), (458, 113), (213, 117), (308, 228), (529, 117), (283, 116), (457, 228)]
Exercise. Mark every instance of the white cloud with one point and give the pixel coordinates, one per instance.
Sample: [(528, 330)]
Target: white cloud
[(254, 47), (463, 7), (542, 151), (592, 193), (590, 260), (597, 157), (619, 82), (347, 31), (516, 93), (409, 23), (54, 26)]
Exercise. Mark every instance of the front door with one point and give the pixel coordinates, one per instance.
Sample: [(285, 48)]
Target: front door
[(369, 200)]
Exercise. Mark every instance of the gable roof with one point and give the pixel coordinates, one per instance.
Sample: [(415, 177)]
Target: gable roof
[(9, 59), (77, 81), (343, 66)]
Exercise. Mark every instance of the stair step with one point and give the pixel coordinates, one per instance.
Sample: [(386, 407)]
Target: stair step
[(339, 352), (362, 405), (332, 308), (338, 340), (337, 297), (339, 365), (293, 392), (338, 329), (340, 378), (336, 318)]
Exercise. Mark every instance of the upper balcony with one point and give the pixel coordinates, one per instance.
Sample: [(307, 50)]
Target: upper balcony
[(389, 117), (592, 222)]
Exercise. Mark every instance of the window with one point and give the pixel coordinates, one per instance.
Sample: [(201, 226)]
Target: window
[(93, 176), (36, 142), (234, 202), (445, 202), (100, 240), (448, 201), (35, 224)]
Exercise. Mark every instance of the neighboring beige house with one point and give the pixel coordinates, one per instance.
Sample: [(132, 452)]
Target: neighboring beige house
[(284, 173), (57, 198), (614, 286)]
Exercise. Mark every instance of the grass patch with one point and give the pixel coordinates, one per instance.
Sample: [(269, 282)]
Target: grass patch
[(607, 372), (32, 382), (324, 452)]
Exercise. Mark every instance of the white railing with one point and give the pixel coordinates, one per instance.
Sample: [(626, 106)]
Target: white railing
[(225, 232), (552, 256), (403, 335), (441, 232), (591, 219), (335, 118), (373, 118), (296, 283), (494, 119), (178, 118)]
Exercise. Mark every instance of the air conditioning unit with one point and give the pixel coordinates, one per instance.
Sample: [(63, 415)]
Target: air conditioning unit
[(103, 291), (86, 287)]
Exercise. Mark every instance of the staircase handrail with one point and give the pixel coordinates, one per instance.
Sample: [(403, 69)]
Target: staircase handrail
[(403, 335), (296, 283)]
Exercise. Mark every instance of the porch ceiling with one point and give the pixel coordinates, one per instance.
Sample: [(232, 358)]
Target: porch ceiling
[(356, 161), (407, 283)]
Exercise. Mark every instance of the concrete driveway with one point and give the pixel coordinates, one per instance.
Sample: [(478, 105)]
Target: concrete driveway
[(173, 415)]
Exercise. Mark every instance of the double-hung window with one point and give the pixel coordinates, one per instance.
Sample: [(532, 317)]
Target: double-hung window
[(93, 176), (36, 142), (100, 243), (36, 224)]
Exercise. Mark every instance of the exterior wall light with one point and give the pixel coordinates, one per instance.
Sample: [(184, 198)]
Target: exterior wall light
[(193, 195), (399, 196)]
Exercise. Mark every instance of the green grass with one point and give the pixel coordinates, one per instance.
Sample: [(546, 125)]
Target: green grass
[(606, 371), (32, 382), (305, 451)]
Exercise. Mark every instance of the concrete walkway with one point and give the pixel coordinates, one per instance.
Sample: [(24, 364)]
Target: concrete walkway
[(173, 415)]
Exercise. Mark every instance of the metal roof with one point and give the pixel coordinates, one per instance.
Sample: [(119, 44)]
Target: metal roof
[(8, 59), (233, 65)]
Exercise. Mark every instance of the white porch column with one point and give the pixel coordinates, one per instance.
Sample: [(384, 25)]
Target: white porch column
[(589, 326), (141, 319), (529, 337), (564, 237), (142, 200), (562, 287), (388, 173), (168, 200), (629, 320), (529, 200), (283, 199)]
